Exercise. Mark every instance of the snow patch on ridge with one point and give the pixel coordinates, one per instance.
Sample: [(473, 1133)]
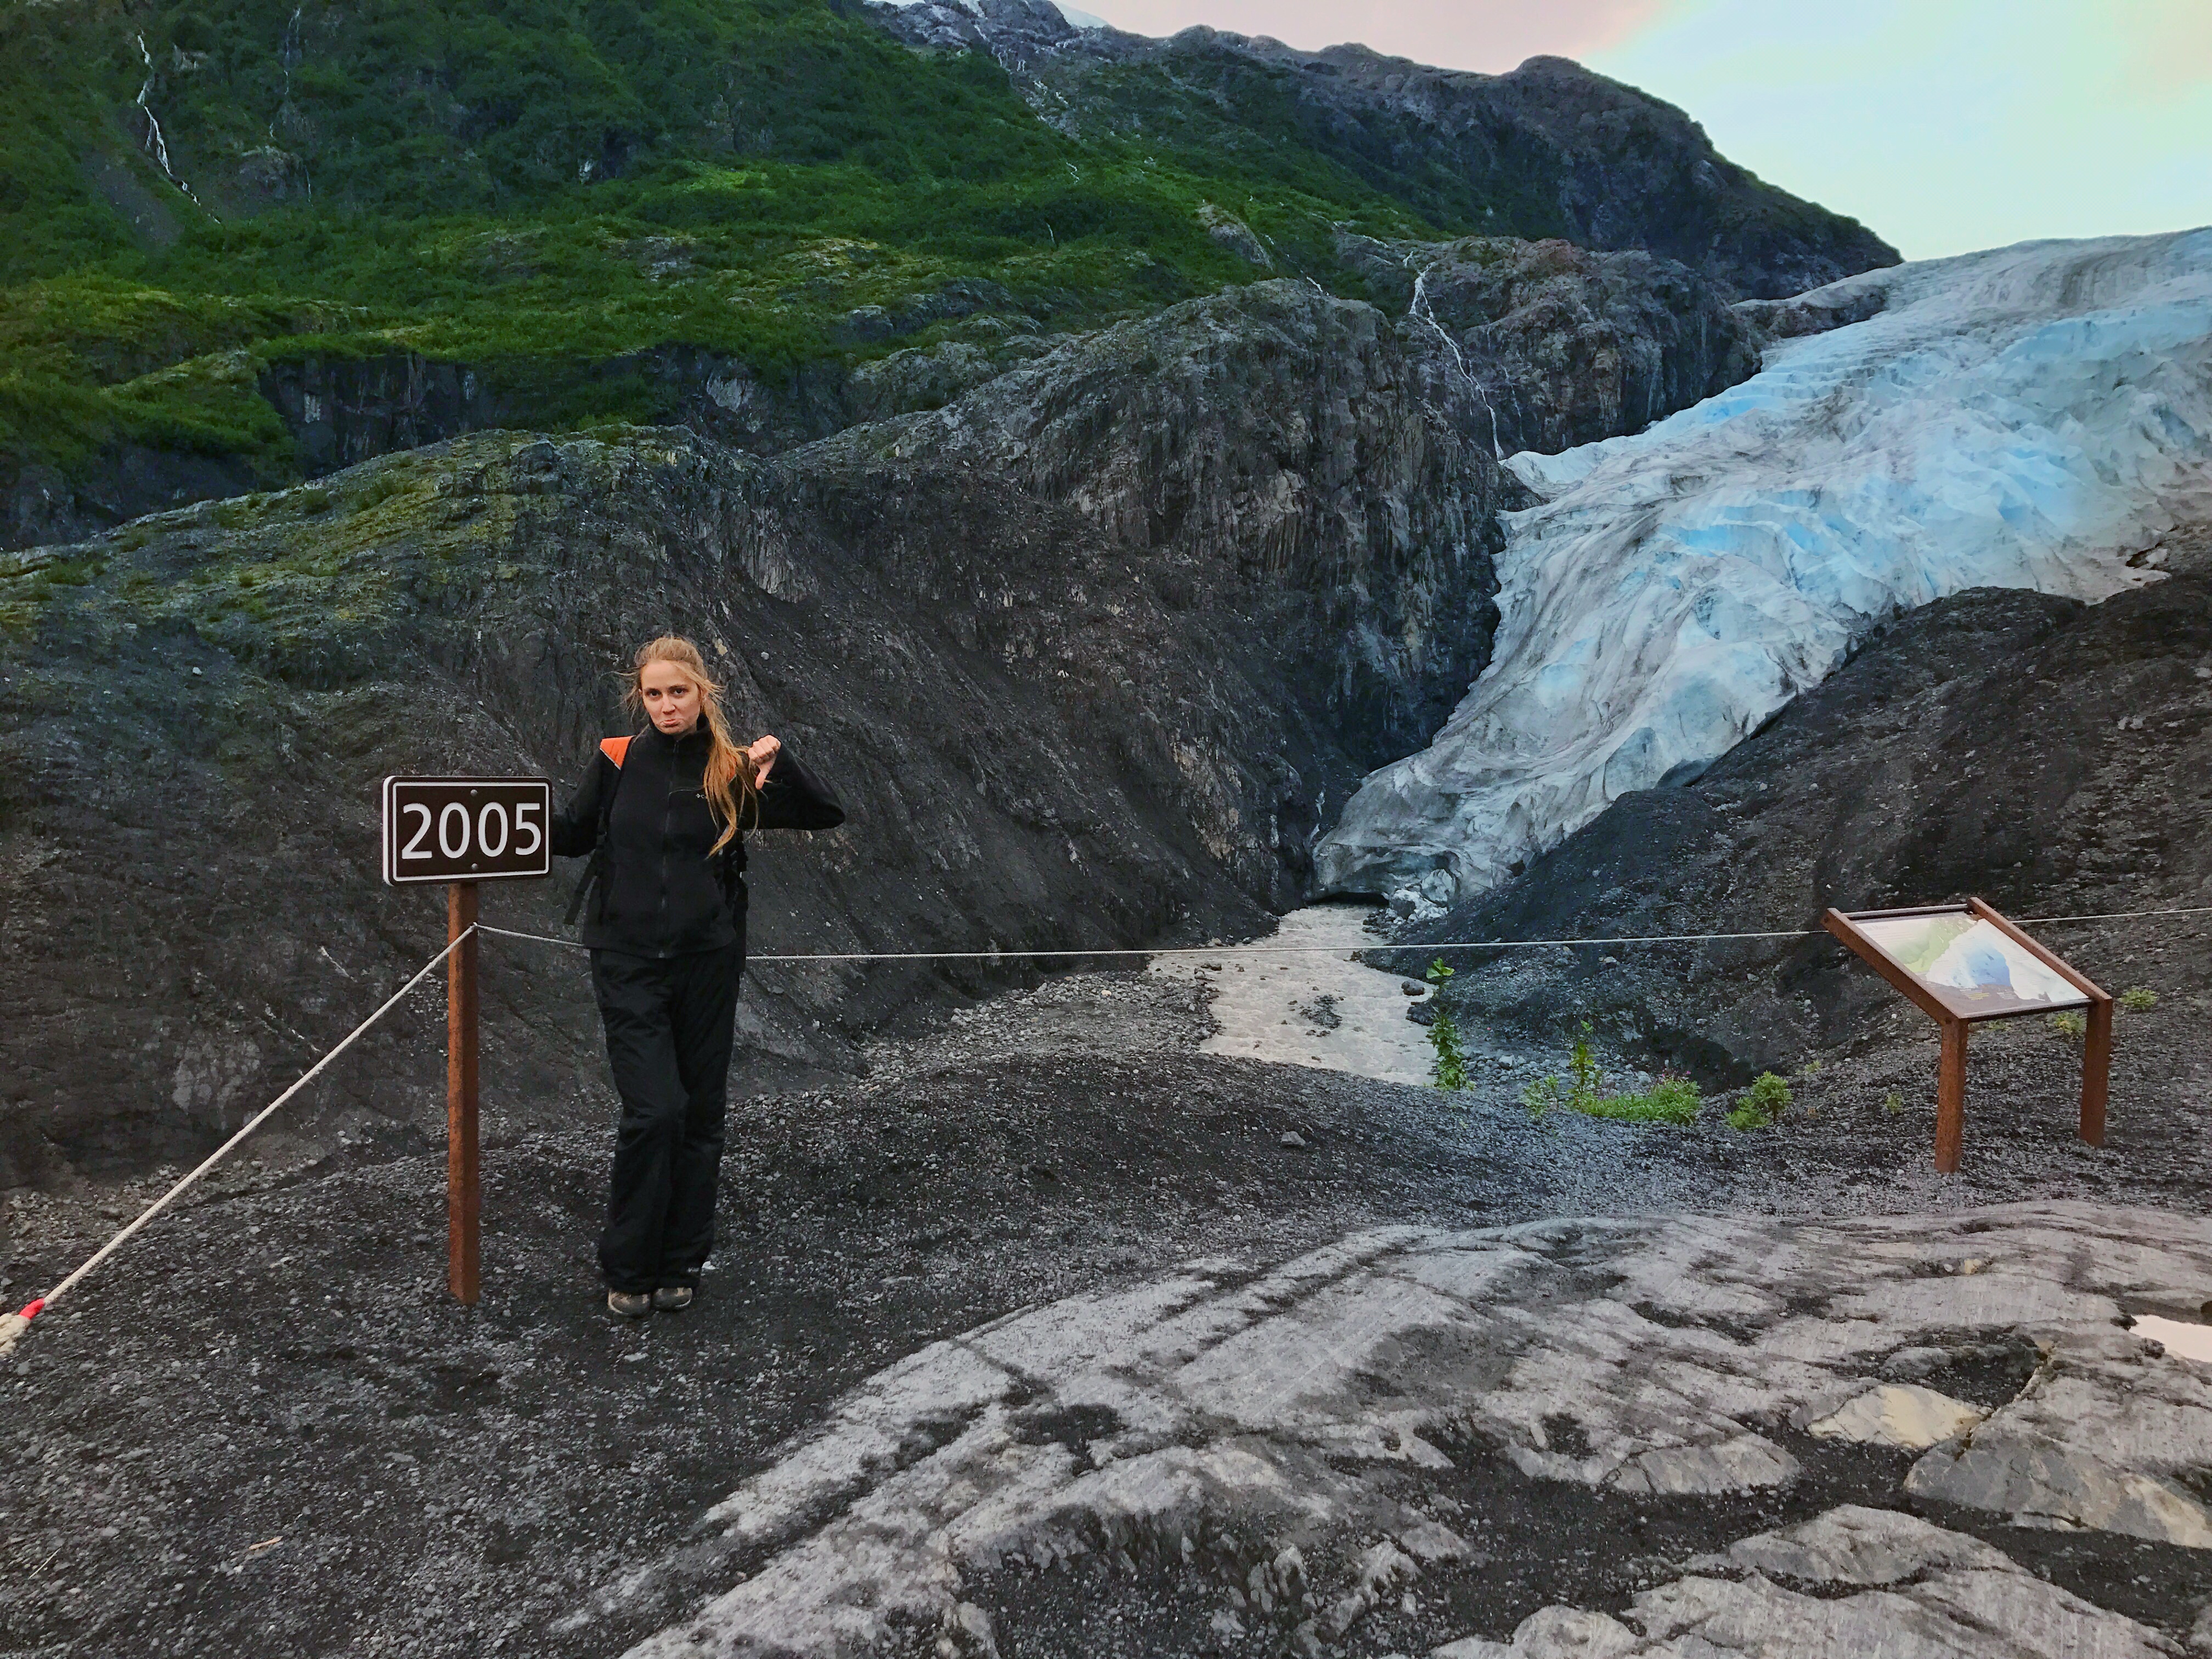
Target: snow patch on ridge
[(2034, 417)]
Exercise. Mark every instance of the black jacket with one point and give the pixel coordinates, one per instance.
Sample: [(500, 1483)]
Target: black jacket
[(656, 891)]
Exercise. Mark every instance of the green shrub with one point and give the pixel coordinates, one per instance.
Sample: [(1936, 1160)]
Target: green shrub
[(1449, 1069), (1892, 1102), (1761, 1105), (2137, 998), (2069, 1022)]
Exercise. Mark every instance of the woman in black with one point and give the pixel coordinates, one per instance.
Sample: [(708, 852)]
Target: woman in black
[(663, 816)]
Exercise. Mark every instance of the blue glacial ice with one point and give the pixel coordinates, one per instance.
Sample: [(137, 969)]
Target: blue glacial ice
[(2034, 417)]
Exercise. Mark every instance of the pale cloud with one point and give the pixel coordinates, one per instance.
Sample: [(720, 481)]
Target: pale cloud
[(1485, 34)]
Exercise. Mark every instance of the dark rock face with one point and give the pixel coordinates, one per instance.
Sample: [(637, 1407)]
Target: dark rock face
[(2047, 755), (1568, 346), (39, 506), (1090, 656), (341, 412), (1549, 150)]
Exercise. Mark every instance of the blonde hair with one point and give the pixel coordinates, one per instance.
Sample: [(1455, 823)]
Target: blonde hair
[(731, 781)]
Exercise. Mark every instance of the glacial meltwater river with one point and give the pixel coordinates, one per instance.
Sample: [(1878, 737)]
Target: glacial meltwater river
[(1320, 1008)]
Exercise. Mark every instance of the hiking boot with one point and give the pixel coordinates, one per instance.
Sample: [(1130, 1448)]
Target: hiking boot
[(673, 1298), (630, 1305)]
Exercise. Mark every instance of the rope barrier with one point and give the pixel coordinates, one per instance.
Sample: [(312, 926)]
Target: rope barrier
[(1322, 950), (12, 1326)]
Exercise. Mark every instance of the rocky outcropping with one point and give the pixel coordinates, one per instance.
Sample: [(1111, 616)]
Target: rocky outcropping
[(1091, 655), (1374, 1410), (40, 505), (1565, 346), (1549, 150)]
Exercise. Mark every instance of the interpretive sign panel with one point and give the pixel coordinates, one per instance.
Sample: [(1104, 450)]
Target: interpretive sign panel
[(1967, 964), (466, 829), (1963, 963)]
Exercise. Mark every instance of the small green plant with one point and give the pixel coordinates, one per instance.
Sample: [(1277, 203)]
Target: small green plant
[(1810, 1068), (1893, 1103), (1542, 1095), (2137, 998), (1450, 1070), (2069, 1023), (1671, 1100), (1761, 1105), (1583, 1068)]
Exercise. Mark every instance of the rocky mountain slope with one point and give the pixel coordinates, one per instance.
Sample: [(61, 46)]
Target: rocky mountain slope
[(1550, 149), (2037, 416), (245, 243), (1091, 655)]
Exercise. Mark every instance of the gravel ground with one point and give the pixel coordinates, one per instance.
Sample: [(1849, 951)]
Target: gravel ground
[(265, 1429)]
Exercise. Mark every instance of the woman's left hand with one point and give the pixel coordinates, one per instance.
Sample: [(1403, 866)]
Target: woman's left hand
[(763, 751)]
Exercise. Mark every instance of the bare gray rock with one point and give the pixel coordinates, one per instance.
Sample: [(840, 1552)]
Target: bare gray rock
[(1567, 346), (1930, 1594), (1621, 1356)]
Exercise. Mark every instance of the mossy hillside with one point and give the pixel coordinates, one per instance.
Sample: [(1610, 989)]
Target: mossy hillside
[(546, 189), (301, 582)]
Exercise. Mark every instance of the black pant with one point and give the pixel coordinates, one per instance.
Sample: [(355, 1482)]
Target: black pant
[(670, 1025)]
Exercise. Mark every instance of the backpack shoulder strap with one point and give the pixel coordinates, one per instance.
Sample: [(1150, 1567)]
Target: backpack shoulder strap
[(596, 870)]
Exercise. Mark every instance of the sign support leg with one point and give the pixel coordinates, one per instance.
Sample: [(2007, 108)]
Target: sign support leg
[(1951, 1097), (2096, 1071), (463, 1206)]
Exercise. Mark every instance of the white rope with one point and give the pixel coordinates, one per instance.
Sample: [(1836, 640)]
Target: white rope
[(1324, 949), (12, 1325)]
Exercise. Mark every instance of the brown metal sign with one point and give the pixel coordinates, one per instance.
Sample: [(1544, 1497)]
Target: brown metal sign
[(1963, 963), (444, 829), (461, 831)]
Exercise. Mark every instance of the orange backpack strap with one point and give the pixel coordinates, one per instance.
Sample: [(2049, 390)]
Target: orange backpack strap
[(613, 749)]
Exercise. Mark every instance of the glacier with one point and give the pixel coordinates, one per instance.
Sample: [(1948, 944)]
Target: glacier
[(2035, 416)]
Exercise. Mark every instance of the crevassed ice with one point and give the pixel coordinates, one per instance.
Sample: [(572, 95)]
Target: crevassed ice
[(2027, 417)]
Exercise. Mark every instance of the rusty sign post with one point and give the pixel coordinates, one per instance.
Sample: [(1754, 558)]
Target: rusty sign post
[(461, 831), (464, 1198), (1963, 963)]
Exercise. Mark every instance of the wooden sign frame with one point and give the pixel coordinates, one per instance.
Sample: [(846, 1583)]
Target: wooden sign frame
[(1955, 1015)]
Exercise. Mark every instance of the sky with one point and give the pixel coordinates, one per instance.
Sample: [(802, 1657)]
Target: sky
[(1945, 126)]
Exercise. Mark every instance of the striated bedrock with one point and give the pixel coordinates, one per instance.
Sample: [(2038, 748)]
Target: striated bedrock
[(1548, 150), (2030, 417), (1278, 1440), (1564, 346), (1089, 655)]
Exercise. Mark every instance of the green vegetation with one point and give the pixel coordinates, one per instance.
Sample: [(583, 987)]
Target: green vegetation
[(2137, 998), (537, 188), (1761, 1105), (1671, 1100), (1893, 1103), (2069, 1022), (1449, 1069)]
